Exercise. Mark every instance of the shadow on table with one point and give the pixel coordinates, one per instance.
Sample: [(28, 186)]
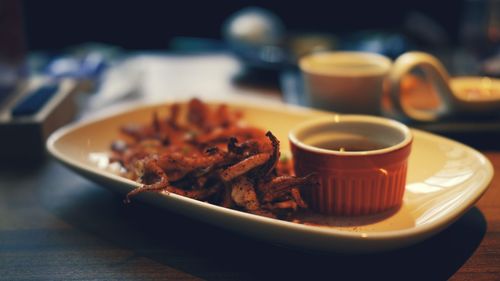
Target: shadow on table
[(212, 253)]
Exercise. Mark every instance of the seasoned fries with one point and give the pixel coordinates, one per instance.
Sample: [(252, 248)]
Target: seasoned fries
[(211, 156)]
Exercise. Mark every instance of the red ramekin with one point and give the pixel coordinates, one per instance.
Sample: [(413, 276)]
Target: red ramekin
[(353, 182)]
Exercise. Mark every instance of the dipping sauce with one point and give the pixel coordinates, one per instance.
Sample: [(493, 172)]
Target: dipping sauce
[(349, 145)]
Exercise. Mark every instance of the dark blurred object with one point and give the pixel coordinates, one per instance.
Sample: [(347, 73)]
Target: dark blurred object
[(12, 47), (426, 31), (35, 100), (259, 38), (385, 43), (38, 106), (491, 66), (30, 107), (494, 23), (480, 35), (256, 36), (475, 25), (186, 44), (90, 66), (82, 62), (56, 24)]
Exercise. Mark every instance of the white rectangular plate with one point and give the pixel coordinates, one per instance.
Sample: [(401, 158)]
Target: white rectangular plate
[(445, 179)]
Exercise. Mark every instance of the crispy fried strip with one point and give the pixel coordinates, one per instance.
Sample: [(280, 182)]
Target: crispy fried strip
[(150, 166), (198, 194), (282, 185), (289, 204), (243, 194), (163, 184), (298, 198), (247, 147), (275, 156), (178, 160), (244, 166), (176, 165), (283, 182), (227, 201), (220, 135)]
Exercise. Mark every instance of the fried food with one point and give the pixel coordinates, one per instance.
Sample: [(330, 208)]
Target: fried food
[(210, 155)]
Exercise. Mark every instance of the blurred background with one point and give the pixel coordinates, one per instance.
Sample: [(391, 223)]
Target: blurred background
[(389, 27), (117, 49), (53, 25)]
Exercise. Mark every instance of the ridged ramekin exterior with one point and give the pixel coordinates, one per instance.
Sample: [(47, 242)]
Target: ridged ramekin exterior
[(354, 184)]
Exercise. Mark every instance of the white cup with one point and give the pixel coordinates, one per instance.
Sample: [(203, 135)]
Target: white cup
[(355, 82), (345, 82)]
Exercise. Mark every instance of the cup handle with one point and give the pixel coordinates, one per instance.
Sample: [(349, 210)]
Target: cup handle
[(434, 72)]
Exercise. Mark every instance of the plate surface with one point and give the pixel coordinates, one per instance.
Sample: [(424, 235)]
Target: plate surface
[(445, 179)]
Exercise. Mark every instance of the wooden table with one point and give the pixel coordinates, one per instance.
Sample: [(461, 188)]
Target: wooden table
[(56, 225)]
